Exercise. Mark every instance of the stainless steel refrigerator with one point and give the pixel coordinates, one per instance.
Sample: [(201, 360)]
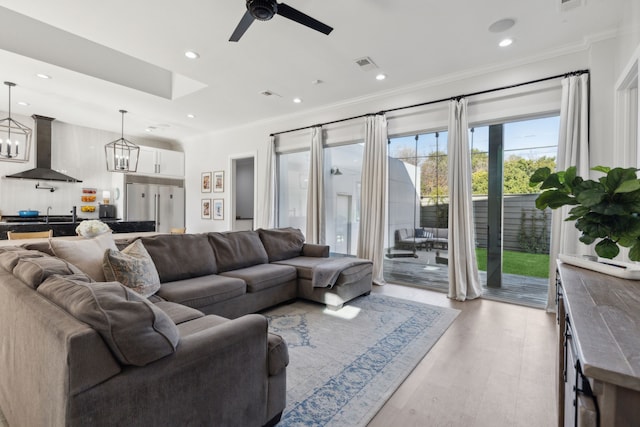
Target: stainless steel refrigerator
[(163, 204)]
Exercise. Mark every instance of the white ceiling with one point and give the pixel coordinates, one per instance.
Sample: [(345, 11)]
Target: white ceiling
[(411, 41)]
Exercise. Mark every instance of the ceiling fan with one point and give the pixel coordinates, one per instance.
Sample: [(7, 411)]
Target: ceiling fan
[(263, 10)]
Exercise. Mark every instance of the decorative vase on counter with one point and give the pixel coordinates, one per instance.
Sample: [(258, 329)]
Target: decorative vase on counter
[(92, 228)]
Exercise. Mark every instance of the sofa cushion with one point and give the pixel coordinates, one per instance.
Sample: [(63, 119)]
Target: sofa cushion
[(202, 291), (237, 249), (278, 354), (135, 330), (177, 312), (34, 271), (180, 256), (263, 276), (282, 243), (11, 255), (86, 254), (133, 267)]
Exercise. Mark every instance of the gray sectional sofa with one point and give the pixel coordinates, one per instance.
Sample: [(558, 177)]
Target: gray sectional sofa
[(77, 352)]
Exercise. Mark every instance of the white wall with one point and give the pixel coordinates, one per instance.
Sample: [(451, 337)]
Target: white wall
[(76, 151)]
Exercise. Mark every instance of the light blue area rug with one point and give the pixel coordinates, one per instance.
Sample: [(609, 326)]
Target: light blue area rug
[(344, 365)]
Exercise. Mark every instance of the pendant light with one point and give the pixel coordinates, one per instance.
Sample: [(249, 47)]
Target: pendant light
[(122, 155), (15, 138)]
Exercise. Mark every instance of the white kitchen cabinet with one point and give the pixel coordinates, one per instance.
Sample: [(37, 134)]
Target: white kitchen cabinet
[(160, 162)]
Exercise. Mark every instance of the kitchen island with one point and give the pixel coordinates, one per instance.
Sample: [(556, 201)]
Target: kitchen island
[(68, 228)]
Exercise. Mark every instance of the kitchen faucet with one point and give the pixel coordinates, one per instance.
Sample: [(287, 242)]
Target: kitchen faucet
[(47, 218), (73, 214)]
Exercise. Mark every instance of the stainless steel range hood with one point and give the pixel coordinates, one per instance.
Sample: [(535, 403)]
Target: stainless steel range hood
[(43, 170)]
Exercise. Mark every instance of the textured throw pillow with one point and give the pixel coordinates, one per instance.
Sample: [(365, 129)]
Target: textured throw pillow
[(133, 267), (86, 254), (136, 332), (282, 243)]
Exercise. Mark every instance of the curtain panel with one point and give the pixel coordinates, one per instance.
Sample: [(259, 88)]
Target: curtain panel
[(464, 280), (267, 215), (373, 196), (315, 194), (573, 150)]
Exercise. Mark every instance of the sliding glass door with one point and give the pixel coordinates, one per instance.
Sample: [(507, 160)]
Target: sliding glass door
[(512, 236)]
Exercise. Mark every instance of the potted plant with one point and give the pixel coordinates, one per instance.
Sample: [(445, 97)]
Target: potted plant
[(606, 211)]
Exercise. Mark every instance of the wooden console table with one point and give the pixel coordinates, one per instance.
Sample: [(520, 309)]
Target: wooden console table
[(599, 349)]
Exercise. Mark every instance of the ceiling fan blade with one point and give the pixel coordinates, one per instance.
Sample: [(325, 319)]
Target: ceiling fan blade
[(301, 18), (244, 23)]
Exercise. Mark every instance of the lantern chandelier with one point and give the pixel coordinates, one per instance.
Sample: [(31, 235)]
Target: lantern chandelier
[(15, 138), (121, 154)]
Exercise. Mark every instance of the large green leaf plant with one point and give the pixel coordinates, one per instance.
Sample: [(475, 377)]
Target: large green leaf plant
[(606, 210)]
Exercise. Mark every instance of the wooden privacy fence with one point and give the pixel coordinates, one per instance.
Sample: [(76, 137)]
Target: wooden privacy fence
[(524, 228)]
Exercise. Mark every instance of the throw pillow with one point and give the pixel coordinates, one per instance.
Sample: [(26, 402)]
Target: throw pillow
[(136, 332), (420, 232), (86, 254), (133, 267)]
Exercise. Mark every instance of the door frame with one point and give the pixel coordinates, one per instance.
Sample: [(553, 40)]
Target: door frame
[(233, 159)]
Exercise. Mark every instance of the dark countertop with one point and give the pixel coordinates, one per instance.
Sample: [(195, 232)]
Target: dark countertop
[(69, 228)]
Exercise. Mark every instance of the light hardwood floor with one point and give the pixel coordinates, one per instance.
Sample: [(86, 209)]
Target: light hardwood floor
[(494, 366)]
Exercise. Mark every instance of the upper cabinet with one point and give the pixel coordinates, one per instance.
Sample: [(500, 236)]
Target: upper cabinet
[(158, 161)]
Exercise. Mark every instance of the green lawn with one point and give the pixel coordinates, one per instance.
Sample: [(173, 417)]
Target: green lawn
[(522, 263)]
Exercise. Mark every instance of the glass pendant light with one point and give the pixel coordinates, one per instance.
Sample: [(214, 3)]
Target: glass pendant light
[(15, 138), (121, 154)]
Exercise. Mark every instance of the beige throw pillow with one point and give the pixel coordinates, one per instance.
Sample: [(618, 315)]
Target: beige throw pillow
[(86, 254), (133, 267)]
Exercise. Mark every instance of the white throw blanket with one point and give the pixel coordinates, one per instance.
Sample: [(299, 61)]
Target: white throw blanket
[(325, 274)]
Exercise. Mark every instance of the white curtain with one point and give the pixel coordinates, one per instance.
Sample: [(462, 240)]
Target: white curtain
[(464, 281), (268, 212), (373, 198), (573, 150), (315, 194)]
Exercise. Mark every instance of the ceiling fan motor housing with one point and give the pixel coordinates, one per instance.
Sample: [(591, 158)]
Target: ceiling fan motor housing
[(262, 10)]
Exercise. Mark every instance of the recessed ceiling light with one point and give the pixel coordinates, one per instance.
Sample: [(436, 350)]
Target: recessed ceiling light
[(505, 42), (43, 76), (381, 76), (191, 116), (191, 54), (297, 100), (24, 104), (502, 25), (148, 130)]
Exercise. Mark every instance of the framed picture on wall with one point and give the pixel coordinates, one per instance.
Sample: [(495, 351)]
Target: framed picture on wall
[(218, 182), (205, 209), (218, 208), (205, 182)]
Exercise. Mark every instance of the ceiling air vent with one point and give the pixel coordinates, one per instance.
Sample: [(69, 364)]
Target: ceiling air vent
[(268, 93), (366, 63), (565, 5)]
